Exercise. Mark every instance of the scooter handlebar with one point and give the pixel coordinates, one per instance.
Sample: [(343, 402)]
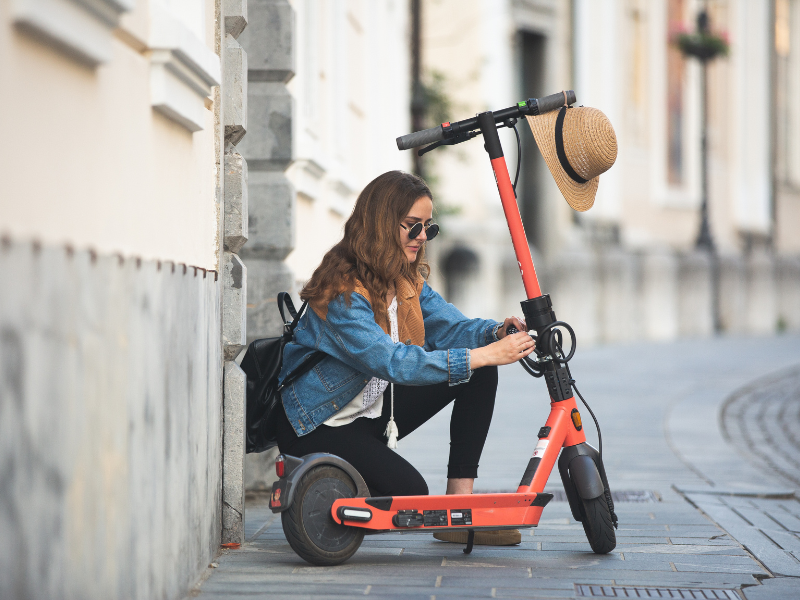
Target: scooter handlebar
[(420, 138), (458, 131), (555, 101)]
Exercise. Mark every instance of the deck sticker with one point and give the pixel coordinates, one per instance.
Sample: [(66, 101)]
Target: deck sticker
[(434, 518), (538, 452), (461, 516)]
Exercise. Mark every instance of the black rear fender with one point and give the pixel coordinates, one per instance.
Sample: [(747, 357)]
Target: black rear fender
[(283, 489)]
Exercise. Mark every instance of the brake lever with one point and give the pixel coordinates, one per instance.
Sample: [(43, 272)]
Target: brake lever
[(456, 139)]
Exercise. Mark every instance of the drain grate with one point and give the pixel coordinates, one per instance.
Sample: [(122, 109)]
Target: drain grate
[(605, 591), (635, 496)]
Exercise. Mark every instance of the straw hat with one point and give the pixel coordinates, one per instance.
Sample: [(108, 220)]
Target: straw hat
[(578, 144)]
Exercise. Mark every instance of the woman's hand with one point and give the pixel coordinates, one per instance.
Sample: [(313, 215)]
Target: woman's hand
[(518, 323), (508, 350)]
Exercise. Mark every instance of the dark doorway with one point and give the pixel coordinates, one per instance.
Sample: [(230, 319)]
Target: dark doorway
[(532, 48), (461, 267)]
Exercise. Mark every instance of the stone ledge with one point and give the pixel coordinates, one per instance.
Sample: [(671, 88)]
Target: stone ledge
[(83, 30), (182, 71)]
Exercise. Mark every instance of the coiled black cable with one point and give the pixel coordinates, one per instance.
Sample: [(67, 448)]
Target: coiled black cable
[(557, 352)]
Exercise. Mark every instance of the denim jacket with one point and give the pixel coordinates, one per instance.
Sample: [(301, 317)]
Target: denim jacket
[(359, 349)]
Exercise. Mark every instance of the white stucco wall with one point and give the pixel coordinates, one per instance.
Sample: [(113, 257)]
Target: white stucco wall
[(88, 161)]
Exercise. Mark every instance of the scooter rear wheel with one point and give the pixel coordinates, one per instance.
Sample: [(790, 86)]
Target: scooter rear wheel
[(307, 523), (597, 524)]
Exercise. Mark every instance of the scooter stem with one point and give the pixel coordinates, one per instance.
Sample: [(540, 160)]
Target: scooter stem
[(509, 200)]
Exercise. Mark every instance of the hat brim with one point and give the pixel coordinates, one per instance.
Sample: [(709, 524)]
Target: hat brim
[(580, 196)]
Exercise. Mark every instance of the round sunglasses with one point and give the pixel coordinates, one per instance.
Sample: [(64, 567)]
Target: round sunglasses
[(431, 230)]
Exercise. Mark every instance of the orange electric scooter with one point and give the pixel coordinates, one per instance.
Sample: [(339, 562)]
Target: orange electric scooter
[(324, 503)]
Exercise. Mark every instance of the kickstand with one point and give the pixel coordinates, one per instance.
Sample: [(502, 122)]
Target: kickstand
[(470, 541)]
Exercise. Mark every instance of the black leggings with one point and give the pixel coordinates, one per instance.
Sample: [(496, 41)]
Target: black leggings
[(363, 445)]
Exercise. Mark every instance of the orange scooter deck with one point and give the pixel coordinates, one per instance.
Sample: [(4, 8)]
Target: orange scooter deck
[(470, 511)]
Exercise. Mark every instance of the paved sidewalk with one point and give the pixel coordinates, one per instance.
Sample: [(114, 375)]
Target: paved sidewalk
[(659, 406)]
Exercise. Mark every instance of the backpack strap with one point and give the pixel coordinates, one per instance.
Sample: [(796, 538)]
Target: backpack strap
[(311, 360), (285, 299)]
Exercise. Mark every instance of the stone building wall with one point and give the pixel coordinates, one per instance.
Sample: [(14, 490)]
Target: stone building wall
[(110, 424)]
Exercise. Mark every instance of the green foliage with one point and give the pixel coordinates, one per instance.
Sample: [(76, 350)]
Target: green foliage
[(439, 107), (781, 326), (701, 45)]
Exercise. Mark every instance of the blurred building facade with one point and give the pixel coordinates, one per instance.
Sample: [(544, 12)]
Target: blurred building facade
[(328, 90), (627, 269), (122, 207)]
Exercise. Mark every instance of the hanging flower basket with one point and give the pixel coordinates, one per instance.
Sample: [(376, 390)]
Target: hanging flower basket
[(703, 45)]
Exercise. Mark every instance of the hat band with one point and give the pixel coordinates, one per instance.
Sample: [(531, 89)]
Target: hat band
[(562, 156)]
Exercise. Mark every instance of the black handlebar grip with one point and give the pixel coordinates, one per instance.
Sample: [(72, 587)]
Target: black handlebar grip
[(511, 330), (420, 138), (555, 101)]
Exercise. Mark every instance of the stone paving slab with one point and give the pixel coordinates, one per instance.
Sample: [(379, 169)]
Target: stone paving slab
[(669, 543), (780, 588), (756, 529)]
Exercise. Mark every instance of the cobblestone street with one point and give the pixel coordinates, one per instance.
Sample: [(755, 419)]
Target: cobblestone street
[(700, 447)]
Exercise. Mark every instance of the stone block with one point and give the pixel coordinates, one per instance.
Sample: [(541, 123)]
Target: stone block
[(236, 200), (259, 471), (234, 299), (268, 145), (235, 388), (788, 279), (659, 295), (266, 279), (695, 294), (270, 40), (761, 303), (732, 293), (235, 12), (234, 81), (270, 216)]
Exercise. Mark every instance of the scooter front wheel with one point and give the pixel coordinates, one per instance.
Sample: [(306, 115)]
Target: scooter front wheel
[(597, 525), (307, 523)]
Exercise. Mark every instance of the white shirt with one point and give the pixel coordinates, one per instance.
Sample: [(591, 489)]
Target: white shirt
[(369, 401)]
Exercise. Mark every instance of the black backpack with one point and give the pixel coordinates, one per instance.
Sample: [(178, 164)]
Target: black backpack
[(262, 365)]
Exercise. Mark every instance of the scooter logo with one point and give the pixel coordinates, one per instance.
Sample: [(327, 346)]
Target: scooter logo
[(538, 452)]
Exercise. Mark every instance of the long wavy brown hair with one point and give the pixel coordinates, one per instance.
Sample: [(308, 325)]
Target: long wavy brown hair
[(370, 251)]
